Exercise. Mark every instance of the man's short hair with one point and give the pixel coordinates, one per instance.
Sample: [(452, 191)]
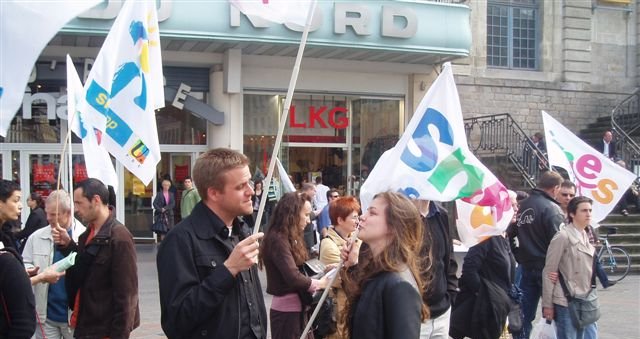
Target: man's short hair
[(549, 180), (539, 135), (92, 187), (7, 187), (186, 178), (330, 192), (212, 166), (307, 187), (568, 184), (319, 179), (61, 198)]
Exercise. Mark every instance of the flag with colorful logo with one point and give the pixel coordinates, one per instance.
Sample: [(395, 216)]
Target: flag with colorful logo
[(25, 29), (96, 158), (432, 161), (126, 86), (594, 175), (280, 11)]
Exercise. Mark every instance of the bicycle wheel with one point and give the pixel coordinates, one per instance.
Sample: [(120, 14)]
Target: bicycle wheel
[(616, 263)]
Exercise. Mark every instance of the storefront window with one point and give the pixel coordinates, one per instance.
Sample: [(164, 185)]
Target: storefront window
[(376, 129), (36, 121), (315, 139), (43, 172), (180, 127)]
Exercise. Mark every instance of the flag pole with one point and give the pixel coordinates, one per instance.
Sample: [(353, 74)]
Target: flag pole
[(284, 116), (352, 240)]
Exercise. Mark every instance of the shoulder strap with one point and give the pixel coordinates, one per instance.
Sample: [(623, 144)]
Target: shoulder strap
[(593, 278)]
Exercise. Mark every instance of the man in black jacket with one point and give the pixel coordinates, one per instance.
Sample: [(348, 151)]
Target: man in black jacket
[(539, 218), (607, 146), (443, 287), (209, 285)]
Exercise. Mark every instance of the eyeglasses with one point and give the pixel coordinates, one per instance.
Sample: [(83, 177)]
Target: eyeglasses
[(568, 195)]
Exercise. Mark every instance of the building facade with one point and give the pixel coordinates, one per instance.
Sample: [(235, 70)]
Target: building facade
[(366, 66)]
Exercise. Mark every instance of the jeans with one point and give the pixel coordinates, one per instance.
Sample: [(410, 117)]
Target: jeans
[(437, 328), (602, 275), (531, 286), (564, 325), (591, 331)]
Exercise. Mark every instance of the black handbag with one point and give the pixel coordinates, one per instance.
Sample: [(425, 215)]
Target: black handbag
[(160, 224), (326, 322), (583, 309)]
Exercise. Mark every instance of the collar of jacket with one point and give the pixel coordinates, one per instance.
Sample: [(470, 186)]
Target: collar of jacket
[(574, 235), (544, 194), (208, 225)]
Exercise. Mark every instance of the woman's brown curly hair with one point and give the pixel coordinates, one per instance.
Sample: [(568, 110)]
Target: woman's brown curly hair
[(405, 227), (285, 223)]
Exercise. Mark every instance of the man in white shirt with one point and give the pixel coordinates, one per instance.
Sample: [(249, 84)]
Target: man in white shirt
[(320, 199), (607, 146)]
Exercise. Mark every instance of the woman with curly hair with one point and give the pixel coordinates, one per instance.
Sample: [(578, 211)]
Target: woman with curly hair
[(282, 254), (384, 287)]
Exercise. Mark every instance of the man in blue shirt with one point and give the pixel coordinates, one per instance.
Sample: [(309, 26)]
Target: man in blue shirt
[(324, 221)]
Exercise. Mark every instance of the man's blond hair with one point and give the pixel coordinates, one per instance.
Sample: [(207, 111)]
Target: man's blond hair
[(212, 166)]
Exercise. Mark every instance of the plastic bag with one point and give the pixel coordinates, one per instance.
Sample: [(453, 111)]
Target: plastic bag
[(544, 330)]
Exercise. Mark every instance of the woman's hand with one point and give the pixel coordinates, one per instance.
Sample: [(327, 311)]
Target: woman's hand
[(330, 267), (349, 253), (323, 282)]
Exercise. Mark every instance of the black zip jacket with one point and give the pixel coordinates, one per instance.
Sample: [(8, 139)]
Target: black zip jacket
[(539, 218)]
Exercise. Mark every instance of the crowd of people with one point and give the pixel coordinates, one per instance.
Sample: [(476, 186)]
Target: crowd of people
[(398, 276)]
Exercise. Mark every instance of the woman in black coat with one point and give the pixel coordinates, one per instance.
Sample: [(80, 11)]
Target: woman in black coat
[(488, 273), (164, 203), (37, 218), (384, 287), (16, 298)]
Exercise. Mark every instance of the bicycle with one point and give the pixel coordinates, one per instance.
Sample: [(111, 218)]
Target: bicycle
[(614, 260)]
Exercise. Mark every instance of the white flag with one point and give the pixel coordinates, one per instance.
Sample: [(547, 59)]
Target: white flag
[(432, 161), (595, 175), (284, 177), (96, 157), (125, 86), (280, 11), (25, 29), (475, 223)]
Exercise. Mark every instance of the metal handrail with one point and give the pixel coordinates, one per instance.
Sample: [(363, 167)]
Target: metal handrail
[(625, 120), (501, 134)]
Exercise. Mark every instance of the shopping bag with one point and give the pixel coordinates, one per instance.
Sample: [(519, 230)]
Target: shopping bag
[(544, 330)]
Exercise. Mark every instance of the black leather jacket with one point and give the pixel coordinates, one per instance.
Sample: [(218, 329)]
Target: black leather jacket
[(389, 307), (199, 298), (539, 218)]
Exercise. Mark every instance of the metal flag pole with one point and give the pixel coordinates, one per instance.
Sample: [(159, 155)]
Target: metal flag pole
[(284, 116)]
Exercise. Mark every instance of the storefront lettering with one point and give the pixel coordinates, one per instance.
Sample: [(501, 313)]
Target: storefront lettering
[(181, 95), (396, 21), (315, 116), (112, 8)]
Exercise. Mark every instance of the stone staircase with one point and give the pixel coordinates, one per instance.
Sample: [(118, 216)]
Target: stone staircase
[(627, 236)]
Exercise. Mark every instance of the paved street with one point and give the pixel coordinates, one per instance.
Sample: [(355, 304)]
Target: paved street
[(620, 304)]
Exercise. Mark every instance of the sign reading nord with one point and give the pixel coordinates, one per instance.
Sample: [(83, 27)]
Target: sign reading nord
[(409, 26)]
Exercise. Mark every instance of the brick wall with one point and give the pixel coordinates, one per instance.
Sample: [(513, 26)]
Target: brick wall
[(524, 99)]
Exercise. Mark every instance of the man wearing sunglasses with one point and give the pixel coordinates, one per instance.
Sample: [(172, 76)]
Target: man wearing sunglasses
[(323, 219)]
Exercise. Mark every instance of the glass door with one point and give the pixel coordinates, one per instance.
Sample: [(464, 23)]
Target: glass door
[(138, 211)]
